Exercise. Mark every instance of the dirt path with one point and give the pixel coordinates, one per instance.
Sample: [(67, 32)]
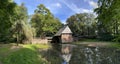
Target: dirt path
[(0, 62)]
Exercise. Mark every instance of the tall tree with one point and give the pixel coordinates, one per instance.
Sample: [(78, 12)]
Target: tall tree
[(108, 18), (82, 24), (103, 24), (21, 27), (44, 22), (7, 13)]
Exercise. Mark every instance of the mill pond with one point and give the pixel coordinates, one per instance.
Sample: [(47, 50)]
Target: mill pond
[(83, 54)]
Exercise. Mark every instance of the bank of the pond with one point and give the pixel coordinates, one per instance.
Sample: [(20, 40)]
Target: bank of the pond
[(115, 45), (97, 43), (22, 54)]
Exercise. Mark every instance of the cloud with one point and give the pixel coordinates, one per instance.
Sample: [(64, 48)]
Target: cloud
[(87, 10), (63, 21), (58, 5), (54, 6), (75, 8), (92, 3)]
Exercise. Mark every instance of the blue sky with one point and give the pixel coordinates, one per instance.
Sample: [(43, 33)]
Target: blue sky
[(61, 9)]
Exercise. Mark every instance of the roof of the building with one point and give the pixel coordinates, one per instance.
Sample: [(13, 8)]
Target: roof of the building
[(65, 29)]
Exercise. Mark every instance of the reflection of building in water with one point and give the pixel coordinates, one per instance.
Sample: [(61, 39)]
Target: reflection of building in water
[(66, 57), (66, 52), (64, 35), (67, 48)]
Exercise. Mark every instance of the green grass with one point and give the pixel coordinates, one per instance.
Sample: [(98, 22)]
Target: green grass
[(4, 47), (34, 46), (115, 45), (95, 41), (27, 54), (5, 50), (89, 40), (23, 56)]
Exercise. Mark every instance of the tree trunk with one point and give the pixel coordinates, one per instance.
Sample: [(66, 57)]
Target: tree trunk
[(17, 39)]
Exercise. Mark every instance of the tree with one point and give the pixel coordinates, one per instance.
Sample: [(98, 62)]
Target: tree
[(108, 18), (82, 24), (44, 22), (7, 13), (21, 28)]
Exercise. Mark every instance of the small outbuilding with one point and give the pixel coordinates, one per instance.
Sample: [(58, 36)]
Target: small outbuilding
[(64, 35)]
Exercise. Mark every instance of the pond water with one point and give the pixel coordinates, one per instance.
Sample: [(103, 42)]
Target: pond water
[(91, 55), (82, 54)]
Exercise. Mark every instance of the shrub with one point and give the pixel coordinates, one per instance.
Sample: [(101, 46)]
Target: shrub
[(117, 38)]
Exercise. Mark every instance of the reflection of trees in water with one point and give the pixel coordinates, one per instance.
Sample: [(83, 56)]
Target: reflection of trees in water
[(52, 55), (117, 55), (106, 55), (56, 47)]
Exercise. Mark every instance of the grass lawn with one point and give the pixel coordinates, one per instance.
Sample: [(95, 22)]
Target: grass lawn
[(94, 42), (22, 54), (116, 45)]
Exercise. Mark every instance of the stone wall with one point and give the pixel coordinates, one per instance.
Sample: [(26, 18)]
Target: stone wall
[(40, 41)]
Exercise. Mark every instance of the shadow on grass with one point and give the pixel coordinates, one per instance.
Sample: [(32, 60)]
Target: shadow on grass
[(6, 49)]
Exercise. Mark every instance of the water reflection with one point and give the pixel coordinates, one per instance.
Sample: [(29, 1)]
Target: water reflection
[(94, 55), (81, 54), (66, 53)]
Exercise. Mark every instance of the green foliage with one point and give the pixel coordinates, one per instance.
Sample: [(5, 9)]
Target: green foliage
[(105, 37), (6, 16), (28, 32), (44, 22), (108, 18), (14, 25), (37, 23), (82, 24), (21, 27), (14, 21), (117, 38)]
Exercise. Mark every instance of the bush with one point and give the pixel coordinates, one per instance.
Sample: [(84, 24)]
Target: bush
[(117, 38), (105, 37)]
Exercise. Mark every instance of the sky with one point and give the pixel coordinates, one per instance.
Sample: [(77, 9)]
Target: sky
[(61, 9)]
